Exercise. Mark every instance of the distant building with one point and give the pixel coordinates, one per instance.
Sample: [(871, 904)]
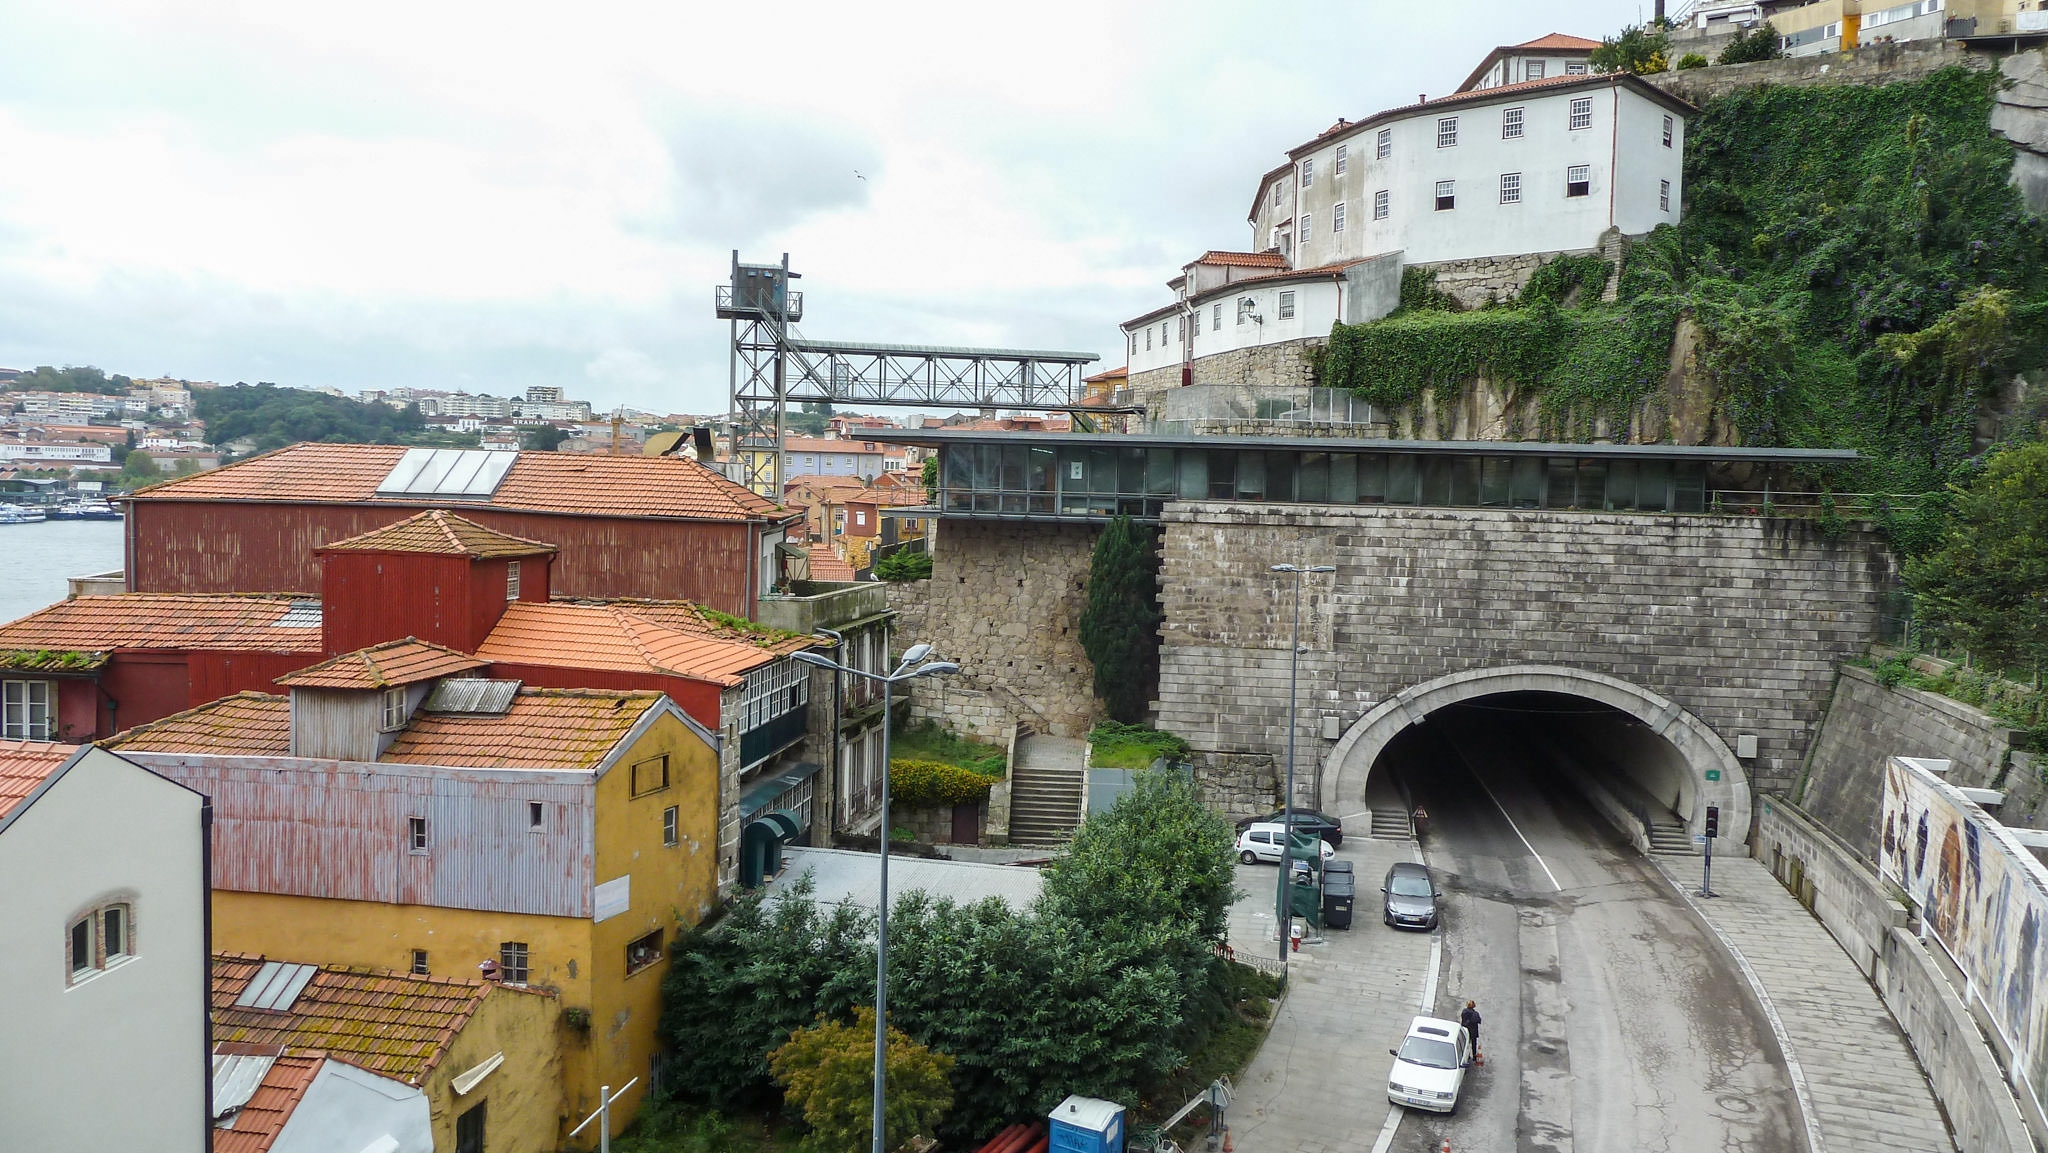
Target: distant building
[(30, 454), (105, 919)]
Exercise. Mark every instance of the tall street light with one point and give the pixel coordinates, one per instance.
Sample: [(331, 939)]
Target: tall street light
[(1286, 911), (916, 663)]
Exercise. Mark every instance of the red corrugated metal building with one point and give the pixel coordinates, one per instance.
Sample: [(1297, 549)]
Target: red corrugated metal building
[(626, 526)]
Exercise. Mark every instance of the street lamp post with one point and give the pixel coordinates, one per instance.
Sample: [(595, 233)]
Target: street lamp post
[(1286, 910), (916, 663)]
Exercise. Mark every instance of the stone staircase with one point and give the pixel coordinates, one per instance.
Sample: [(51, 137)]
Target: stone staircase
[(1671, 839), (1045, 790), (1392, 825)]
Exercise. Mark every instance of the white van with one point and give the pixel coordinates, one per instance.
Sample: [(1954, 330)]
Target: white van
[(1262, 841)]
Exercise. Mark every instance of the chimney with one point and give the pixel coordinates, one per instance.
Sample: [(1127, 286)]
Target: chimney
[(700, 439)]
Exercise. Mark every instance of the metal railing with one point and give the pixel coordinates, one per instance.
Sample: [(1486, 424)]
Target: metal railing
[(1802, 505)]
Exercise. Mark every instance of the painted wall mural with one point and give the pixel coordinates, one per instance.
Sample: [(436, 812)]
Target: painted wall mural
[(1985, 900)]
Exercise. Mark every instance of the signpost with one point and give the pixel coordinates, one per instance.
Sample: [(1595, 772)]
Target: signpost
[(1713, 830)]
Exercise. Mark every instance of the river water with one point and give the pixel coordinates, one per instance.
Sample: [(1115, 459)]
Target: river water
[(37, 559)]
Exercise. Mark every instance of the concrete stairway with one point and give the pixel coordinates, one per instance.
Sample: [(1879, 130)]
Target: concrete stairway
[(1671, 839), (1045, 790), (1392, 825)]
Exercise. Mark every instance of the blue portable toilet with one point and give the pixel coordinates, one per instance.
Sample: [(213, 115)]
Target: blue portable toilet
[(1087, 1125)]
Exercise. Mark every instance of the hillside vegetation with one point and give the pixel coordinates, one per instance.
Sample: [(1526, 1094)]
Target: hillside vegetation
[(1852, 271)]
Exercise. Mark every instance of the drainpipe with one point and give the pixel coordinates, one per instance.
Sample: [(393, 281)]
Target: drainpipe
[(1613, 144), (206, 961)]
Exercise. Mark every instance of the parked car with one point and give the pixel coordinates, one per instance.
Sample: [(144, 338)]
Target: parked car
[(1261, 842), (1429, 1067), (1409, 895), (1327, 827)]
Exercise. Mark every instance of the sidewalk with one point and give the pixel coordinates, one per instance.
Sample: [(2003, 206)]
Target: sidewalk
[(1317, 1084), (1858, 1082)]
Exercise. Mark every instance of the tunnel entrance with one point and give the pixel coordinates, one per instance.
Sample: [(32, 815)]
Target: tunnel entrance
[(1647, 766)]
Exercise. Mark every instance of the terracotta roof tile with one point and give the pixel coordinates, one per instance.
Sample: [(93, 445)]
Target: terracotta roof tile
[(1517, 86), (246, 724), (397, 1024), (1559, 40), (691, 617), (623, 636), (258, 1122), (1242, 259), (24, 765), (826, 565), (100, 624), (442, 533), (544, 729), (400, 662), (667, 487)]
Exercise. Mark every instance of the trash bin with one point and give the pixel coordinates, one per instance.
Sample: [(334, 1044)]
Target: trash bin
[(1340, 891)]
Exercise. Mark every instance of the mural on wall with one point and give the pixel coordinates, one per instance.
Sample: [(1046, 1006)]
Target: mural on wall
[(1984, 898)]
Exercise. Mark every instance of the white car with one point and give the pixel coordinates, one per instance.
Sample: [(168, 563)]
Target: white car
[(1261, 842), (1429, 1067)]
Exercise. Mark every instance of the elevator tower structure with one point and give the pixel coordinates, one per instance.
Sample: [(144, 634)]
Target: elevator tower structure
[(771, 366)]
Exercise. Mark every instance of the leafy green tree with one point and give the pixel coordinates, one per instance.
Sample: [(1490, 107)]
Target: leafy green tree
[(139, 466), (1159, 856), (738, 991), (828, 1070), (71, 378), (1987, 584), (1641, 49), (931, 479), (904, 565), (542, 438), (1751, 45), (1120, 626), (273, 417)]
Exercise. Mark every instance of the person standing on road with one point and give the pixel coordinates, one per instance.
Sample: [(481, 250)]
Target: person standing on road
[(1470, 1019)]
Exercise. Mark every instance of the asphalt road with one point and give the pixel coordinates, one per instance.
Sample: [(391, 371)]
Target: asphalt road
[(1613, 1021)]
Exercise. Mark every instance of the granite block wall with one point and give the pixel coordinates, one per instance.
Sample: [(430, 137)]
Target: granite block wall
[(1738, 620), (1876, 64)]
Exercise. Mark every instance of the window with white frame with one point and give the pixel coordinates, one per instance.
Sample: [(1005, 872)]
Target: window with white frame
[(512, 580), (1446, 195), (513, 958), (392, 718), (1343, 157), (1337, 218), (1531, 70), (1277, 187), (669, 826), (1134, 344), (1578, 181), (796, 801), (1308, 173), (100, 938), (1216, 318), (1148, 338), (1511, 123), (1582, 113), (416, 834), (1447, 132), (1379, 205), (1307, 226), (1510, 188), (1664, 195), (1287, 306), (772, 691), (1386, 143), (1165, 326), (419, 963), (25, 712), (1578, 69), (1667, 132)]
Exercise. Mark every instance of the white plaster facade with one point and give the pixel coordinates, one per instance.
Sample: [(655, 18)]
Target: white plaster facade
[(114, 1056), (1265, 310)]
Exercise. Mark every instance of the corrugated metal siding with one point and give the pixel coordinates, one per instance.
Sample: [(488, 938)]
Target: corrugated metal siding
[(236, 547), (337, 829), (380, 597), (336, 724)]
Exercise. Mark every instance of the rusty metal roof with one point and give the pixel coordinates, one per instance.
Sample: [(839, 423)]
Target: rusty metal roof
[(396, 1024), (440, 533), (87, 628), (471, 695), (400, 662)]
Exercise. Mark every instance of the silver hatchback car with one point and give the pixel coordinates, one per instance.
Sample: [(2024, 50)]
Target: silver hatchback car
[(1410, 896)]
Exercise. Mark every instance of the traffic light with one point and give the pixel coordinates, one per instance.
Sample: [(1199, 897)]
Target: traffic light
[(1713, 820)]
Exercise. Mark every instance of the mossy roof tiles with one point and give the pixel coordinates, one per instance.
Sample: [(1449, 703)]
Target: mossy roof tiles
[(645, 637), (400, 662), (99, 624), (397, 1024), (544, 729), (246, 724)]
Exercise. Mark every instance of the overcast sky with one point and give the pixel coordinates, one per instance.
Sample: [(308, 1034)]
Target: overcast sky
[(495, 195)]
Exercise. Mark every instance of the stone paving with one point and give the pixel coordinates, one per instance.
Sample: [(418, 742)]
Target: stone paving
[(1859, 1082), (1318, 1084)]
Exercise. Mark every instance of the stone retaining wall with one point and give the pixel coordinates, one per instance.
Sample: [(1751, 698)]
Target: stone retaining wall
[(1480, 280), (1289, 363), (1876, 64)]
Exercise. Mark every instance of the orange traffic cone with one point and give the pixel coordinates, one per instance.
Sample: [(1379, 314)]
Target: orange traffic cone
[(1479, 1057), (1447, 1145), (1227, 1146)]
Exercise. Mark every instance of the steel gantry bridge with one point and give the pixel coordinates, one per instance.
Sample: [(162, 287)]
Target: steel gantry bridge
[(771, 366)]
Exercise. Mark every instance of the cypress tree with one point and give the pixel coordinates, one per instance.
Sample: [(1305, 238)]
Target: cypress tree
[(1120, 626)]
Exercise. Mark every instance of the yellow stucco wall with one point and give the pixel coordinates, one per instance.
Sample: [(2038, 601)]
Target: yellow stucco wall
[(522, 1098)]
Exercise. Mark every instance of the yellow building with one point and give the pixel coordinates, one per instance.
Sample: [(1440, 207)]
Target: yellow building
[(553, 839)]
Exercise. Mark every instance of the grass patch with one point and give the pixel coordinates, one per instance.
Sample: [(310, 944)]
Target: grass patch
[(1115, 746), (926, 741), (677, 1127)]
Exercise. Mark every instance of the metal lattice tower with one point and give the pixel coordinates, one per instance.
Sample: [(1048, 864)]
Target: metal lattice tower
[(771, 366)]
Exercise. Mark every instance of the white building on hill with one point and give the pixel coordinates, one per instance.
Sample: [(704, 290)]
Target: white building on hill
[(1535, 155)]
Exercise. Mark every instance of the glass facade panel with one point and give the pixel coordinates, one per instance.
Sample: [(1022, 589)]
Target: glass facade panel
[(1159, 478), (1280, 475), (1494, 475), (1404, 477), (1689, 488), (1194, 474), (1372, 478), (1436, 480), (1653, 486), (1561, 483), (1592, 484), (1621, 485), (1039, 470), (1526, 490), (1312, 481), (1464, 481), (1251, 475), (1343, 479)]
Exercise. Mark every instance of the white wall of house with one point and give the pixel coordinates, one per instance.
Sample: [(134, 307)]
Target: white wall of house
[(1533, 66), (115, 1058), (1248, 316), (1647, 166)]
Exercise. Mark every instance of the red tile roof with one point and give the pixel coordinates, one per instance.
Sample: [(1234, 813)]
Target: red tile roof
[(246, 724), (617, 638), (397, 1024), (25, 765), (544, 729), (101, 624), (442, 533), (691, 617), (400, 662), (666, 487), (1554, 44), (1120, 372), (1559, 40), (258, 1122), (1241, 259), (826, 565)]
